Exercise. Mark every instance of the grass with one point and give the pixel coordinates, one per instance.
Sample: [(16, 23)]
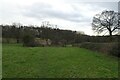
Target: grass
[(56, 62)]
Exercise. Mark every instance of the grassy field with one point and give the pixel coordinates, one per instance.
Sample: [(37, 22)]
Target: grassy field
[(56, 62)]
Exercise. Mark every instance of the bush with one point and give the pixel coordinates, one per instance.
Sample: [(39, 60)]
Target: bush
[(92, 46), (28, 40), (109, 48), (115, 50)]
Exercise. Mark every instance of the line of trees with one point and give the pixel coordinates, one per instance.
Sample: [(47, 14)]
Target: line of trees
[(17, 32), (56, 35)]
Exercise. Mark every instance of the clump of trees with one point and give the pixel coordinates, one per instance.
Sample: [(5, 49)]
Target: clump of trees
[(19, 32)]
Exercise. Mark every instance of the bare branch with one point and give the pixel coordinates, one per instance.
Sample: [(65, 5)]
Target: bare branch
[(107, 20)]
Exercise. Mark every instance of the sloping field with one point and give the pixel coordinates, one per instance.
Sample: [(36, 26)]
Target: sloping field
[(56, 62)]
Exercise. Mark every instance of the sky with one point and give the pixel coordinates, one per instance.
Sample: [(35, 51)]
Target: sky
[(73, 15)]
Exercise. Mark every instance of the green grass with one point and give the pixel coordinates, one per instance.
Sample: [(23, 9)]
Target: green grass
[(56, 62)]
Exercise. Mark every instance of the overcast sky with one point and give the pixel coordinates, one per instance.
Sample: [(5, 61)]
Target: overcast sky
[(67, 14)]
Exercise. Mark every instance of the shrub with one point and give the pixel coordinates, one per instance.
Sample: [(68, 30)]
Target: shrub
[(92, 46), (115, 50), (28, 40), (109, 48)]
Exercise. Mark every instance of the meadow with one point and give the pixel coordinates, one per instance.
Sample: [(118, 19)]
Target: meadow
[(56, 62)]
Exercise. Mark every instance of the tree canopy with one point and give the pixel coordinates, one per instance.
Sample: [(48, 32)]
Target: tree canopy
[(106, 21)]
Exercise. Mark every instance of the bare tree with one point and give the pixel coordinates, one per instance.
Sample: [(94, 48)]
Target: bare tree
[(106, 21)]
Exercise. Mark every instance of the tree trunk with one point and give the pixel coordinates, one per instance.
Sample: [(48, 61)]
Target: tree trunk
[(110, 33)]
